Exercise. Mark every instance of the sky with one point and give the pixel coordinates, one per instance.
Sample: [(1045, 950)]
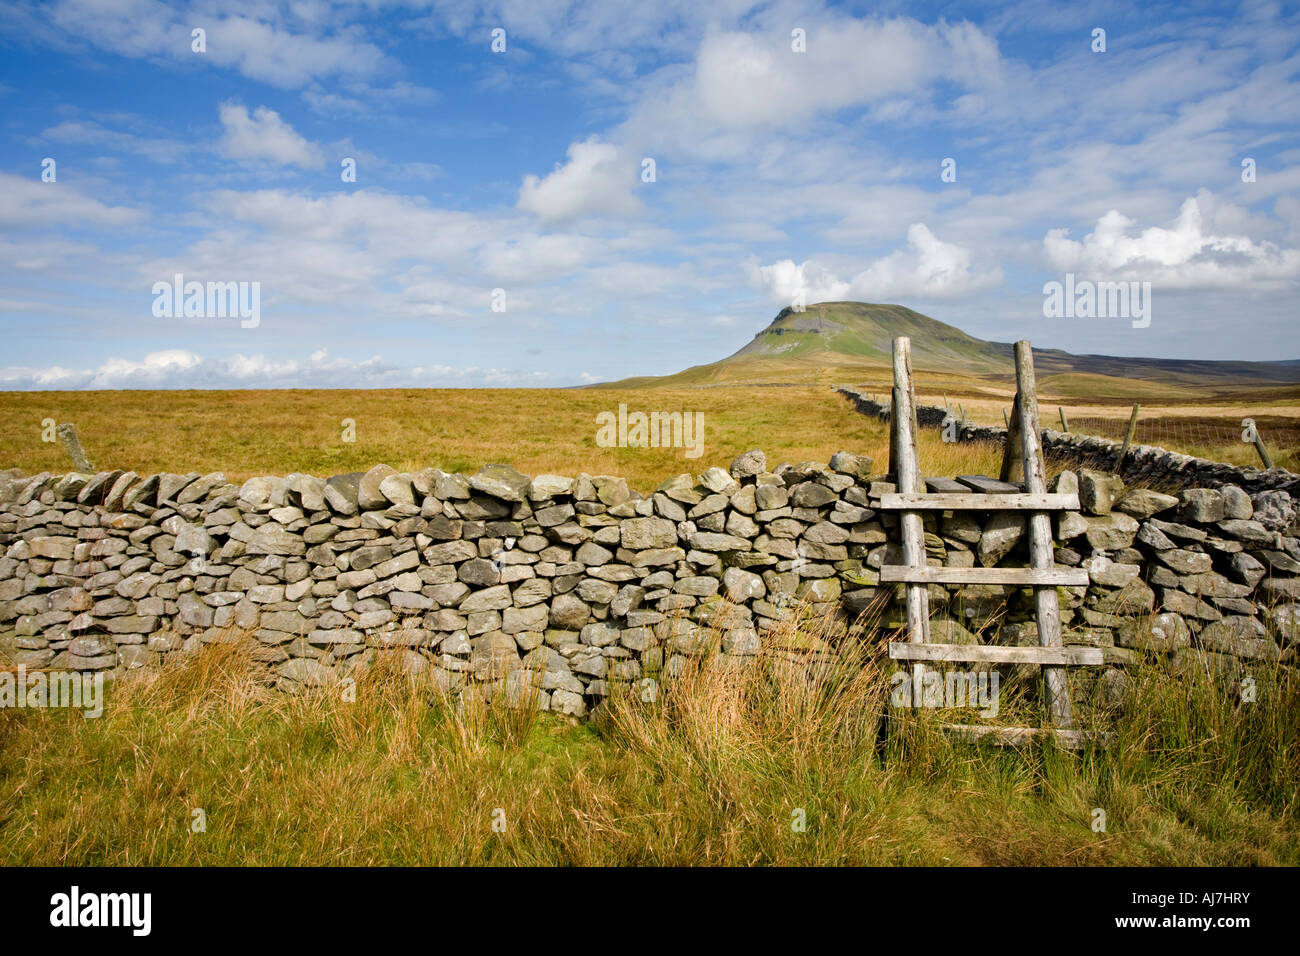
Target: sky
[(545, 193)]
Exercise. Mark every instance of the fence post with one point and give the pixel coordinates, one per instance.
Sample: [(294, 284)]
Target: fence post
[(1259, 445), (68, 433), (1065, 423), (1128, 438)]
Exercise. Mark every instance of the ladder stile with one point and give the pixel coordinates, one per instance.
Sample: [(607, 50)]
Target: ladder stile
[(1022, 487)]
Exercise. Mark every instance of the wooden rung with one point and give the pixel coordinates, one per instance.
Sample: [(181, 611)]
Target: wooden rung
[(1044, 577), (1070, 656), (970, 502), (1021, 736), (989, 486), (944, 484)]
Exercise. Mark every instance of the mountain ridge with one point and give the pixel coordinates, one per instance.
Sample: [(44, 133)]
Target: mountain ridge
[(832, 341)]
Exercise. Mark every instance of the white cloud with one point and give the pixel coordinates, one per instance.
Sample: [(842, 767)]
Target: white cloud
[(927, 268), (1188, 254), (179, 368), (750, 79), (598, 179), (264, 137), (91, 133), (287, 45), (27, 201)]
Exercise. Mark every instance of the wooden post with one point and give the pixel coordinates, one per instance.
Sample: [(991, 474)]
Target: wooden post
[(1013, 464), (68, 433), (1259, 445), (1040, 533), (1006, 422), (1128, 437), (907, 475), (1065, 422)]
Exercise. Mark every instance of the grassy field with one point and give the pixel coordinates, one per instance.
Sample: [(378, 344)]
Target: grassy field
[(246, 433), (720, 770)]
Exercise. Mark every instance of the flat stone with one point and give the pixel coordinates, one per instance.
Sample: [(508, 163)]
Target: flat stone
[(1143, 503), (501, 481)]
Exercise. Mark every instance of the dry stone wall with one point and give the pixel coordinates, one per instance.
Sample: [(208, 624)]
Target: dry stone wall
[(552, 589), (1143, 463)]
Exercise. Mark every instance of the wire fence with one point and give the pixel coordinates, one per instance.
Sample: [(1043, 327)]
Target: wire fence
[(1214, 437)]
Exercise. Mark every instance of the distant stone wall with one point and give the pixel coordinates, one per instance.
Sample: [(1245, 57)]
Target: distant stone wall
[(553, 589), (1143, 463)]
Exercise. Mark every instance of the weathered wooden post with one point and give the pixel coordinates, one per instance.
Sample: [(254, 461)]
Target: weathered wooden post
[(1041, 550), (1013, 462), (1253, 430), (1128, 437), (907, 475), (68, 433), (1065, 422)]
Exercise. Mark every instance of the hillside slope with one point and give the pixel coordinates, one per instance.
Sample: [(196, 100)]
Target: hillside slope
[(851, 341)]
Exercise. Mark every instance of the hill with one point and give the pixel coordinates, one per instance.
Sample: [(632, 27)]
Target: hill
[(851, 341)]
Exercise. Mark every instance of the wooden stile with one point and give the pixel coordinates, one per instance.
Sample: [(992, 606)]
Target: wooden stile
[(1021, 487)]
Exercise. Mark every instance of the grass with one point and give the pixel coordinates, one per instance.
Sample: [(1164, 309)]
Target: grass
[(718, 770), (538, 431)]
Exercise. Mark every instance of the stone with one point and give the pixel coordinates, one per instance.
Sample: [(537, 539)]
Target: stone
[(92, 645), (256, 491), (857, 466), (567, 702), (193, 540), (308, 672), (494, 654), (749, 465), (1000, 535), (1245, 569), (1274, 510), (1112, 531), (489, 599), (398, 489), (1164, 632), (742, 586), (501, 481), (1236, 503), (568, 612), (811, 494), (1107, 573), (274, 539), (1285, 621), (709, 541), (1200, 505), (1248, 531), (370, 497), (342, 493), (1098, 491), (1240, 636), (55, 548), (1153, 537), (642, 534), (549, 486), (1186, 562), (1143, 503)]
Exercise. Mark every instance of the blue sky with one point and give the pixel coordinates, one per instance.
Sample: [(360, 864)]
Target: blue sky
[(778, 173)]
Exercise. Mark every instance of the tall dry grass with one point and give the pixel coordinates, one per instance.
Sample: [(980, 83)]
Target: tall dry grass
[(794, 757)]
